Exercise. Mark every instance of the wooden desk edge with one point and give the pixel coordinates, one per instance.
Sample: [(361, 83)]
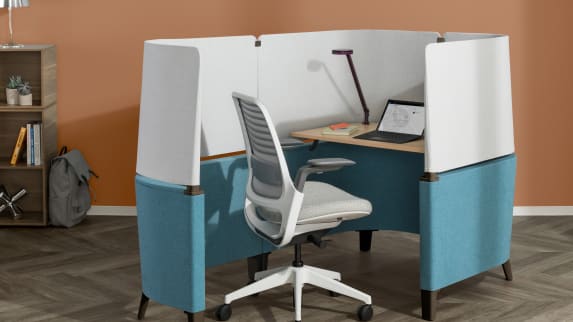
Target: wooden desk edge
[(316, 134)]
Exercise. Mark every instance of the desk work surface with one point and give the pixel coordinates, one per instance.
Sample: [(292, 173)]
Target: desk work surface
[(316, 134)]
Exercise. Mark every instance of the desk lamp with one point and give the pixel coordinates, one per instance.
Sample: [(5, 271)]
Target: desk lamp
[(348, 53), (12, 4)]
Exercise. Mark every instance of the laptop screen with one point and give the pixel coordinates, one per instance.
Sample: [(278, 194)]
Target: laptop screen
[(401, 117)]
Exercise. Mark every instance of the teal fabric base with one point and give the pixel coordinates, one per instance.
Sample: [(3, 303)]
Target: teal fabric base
[(464, 219), (388, 179), (171, 244), (227, 235), (465, 222)]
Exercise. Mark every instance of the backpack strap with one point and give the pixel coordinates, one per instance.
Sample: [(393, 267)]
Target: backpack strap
[(63, 150)]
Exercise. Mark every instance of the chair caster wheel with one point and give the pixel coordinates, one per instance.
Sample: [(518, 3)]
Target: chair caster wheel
[(333, 294), (365, 312), (223, 312)]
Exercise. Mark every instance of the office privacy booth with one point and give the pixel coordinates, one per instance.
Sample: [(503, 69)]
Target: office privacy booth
[(457, 194)]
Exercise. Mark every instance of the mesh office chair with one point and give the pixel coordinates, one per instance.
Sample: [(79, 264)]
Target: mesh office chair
[(284, 212)]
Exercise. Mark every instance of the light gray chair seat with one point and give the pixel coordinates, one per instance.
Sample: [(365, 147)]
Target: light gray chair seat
[(325, 203)]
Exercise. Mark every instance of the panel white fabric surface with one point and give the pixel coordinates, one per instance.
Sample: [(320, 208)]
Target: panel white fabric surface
[(469, 105), (187, 111), (459, 36), (169, 135), (304, 85), (186, 106)]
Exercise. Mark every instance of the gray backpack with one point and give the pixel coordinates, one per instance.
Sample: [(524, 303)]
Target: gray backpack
[(69, 193)]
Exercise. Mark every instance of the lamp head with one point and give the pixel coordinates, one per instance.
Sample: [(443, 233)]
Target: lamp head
[(342, 51), (14, 3)]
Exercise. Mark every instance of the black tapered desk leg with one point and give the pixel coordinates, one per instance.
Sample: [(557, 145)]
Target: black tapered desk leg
[(142, 306), (507, 270), (256, 264), (365, 240), (429, 305), (196, 316)]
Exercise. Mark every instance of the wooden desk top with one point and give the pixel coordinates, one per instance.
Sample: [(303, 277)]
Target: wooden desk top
[(316, 134)]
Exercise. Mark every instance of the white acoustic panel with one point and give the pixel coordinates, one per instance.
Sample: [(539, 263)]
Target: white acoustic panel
[(169, 120), (304, 85), (469, 106), (228, 64), (186, 105), (459, 36)]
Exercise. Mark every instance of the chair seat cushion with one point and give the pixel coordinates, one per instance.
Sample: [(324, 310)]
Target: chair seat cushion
[(325, 203)]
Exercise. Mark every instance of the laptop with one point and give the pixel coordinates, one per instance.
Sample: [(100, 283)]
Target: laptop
[(401, 122)]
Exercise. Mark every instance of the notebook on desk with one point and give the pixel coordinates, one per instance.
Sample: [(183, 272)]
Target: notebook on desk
[(401, 122)]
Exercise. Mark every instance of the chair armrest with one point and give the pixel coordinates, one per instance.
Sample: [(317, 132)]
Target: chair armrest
[(290, 142), (330, 162), (319, 166)]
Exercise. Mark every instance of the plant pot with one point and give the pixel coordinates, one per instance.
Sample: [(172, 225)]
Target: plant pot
[(11, 96), (25, 99)]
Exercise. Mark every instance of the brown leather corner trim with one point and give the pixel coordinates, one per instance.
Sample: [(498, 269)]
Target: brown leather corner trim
[(193, 190), (224, 155), (430, 177)]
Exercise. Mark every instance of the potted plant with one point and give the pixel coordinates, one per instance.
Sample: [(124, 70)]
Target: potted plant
[(12, 89), (25, 93)]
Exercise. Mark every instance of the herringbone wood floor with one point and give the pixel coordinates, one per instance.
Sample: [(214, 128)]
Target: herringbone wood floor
[(91, 273)]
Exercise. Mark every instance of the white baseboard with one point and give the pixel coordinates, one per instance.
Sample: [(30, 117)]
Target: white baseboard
[(517, 211), (112, 211), (543, 211)]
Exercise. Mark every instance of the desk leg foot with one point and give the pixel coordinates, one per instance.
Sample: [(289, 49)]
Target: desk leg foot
[(429, 305), (196, 316), (142, 306), (507, 270), (256, 264), (365, 240)]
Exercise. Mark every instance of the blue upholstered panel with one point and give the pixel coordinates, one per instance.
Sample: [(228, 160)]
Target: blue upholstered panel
[(228, 237), (171, 243), (464, 219), (465, 222), (388, 179)]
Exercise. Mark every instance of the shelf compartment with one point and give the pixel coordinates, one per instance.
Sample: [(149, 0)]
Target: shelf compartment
[(36, 65), (21, 165), (27, 219), (32, 181), (5, 108)]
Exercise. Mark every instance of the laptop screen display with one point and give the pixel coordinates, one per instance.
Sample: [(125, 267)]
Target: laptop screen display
[(403, 118)]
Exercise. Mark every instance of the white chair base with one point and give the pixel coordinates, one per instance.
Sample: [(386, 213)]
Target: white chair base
[(298, 276)]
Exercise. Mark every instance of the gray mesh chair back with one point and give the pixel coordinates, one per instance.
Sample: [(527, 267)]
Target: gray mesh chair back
[(266, 172), (270, 190)]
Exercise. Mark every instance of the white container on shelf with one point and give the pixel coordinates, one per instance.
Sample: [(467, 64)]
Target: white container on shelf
[(12, 96), (25, 99)]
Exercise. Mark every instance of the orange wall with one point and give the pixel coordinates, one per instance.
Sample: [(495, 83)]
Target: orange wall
[(100, 46)]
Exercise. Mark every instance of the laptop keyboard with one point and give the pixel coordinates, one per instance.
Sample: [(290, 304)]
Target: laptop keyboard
[(388, 137)]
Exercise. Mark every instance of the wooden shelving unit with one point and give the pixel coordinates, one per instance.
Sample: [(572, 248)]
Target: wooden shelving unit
[(36, 64)]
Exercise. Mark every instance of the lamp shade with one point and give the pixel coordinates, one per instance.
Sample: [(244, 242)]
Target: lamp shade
[(14, 3)]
